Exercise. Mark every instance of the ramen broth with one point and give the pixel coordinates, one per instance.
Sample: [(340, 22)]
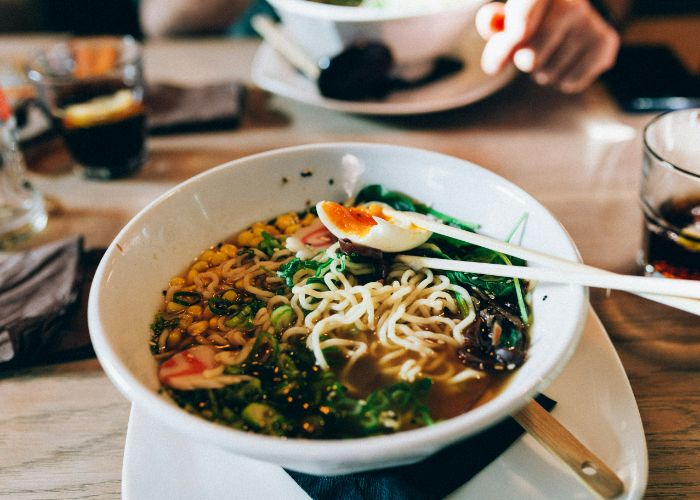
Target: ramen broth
[(283, 330)]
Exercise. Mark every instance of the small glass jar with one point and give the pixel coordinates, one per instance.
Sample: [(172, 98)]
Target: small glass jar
[(670, 195), (22, 211)]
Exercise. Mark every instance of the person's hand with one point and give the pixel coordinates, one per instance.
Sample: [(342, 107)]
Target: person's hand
[(563, 43)]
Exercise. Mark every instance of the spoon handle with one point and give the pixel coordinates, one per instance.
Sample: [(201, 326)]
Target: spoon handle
[(581, 275), (559, 441), (689, 305), (281, 42)]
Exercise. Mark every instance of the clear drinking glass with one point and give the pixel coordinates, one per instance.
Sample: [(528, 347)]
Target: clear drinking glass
[(22, 212), (670, 195), (93, 89)]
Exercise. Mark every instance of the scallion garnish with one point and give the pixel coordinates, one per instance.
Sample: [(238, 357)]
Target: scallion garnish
[(186, 298)]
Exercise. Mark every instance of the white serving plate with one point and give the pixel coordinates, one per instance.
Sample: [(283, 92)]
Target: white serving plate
[(595, 402), (273, 73), (212, 206)]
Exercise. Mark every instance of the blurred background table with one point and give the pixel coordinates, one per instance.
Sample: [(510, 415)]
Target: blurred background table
[(63, 426)]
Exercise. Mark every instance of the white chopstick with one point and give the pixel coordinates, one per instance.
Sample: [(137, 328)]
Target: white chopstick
[(284, 45), (662, 286), (686, 304)]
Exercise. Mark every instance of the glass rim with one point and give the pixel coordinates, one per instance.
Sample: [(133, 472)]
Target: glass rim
[(647, 147), (36, 73)]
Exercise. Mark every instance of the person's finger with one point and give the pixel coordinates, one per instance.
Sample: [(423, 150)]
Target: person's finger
[(490, 19), (540, 47), (498, 52), (569, 50), (595, 61), (523, 17)]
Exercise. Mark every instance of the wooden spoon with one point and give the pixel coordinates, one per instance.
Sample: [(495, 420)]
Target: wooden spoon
[(560, 442)]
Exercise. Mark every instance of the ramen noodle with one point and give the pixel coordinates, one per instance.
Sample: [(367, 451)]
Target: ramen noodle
[(287, 330)]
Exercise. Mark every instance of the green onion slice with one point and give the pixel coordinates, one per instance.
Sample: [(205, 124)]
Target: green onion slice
[(187, 298), (281, 317), (219, 305)]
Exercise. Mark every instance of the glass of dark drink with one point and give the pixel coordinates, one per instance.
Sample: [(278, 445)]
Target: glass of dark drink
[(93, 89), (670, 195)]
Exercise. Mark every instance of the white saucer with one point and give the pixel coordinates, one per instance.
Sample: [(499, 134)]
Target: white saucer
[(274, 74), (595, 402)]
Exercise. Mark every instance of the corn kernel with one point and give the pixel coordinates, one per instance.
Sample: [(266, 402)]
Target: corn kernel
[(230, 295), (256, 240), (186, 320), (200, 265), (218, 258), (272, 231), (239, 284), (229, 249), (207, 255), (195, 310), (191, 274), (174, 307), (257, 231), (308, 219), (207, 313), (214, 322), (198, 328), (292, 229), (284, 221), (245, 238), (174, 337), (177, 281)]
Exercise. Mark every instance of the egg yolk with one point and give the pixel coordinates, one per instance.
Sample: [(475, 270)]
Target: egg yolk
[(357, 221)]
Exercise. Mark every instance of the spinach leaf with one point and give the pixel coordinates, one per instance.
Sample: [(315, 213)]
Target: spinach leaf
[(377, 192), (399, 201), (447, 248)]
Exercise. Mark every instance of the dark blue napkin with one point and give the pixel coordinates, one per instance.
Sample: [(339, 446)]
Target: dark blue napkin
[(431, 479)]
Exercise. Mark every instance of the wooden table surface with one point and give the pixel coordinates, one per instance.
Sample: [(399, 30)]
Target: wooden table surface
[(63, 426)]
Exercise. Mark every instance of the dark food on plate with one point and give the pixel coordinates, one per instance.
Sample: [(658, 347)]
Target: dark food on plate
[(364, 71), (286, 330)]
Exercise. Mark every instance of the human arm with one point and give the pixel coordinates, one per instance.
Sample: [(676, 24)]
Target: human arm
[(563, 43), (174, 17)]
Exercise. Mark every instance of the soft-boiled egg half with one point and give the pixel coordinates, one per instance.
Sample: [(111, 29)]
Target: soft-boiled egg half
[(373, 225)]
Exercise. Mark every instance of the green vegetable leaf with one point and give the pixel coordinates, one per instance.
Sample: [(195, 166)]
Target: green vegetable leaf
[(288, 270), (269, 244), (159, 324), (399, 201)]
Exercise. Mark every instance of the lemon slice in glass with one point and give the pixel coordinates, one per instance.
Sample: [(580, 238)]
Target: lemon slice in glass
[(101, 109)]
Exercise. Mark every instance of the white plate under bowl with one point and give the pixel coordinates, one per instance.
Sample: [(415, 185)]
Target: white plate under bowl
[(594, 401), (202, 211), (273, 73)]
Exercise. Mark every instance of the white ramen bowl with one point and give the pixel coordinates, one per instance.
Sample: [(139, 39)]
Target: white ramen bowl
[(164, 237), (415, 31)]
